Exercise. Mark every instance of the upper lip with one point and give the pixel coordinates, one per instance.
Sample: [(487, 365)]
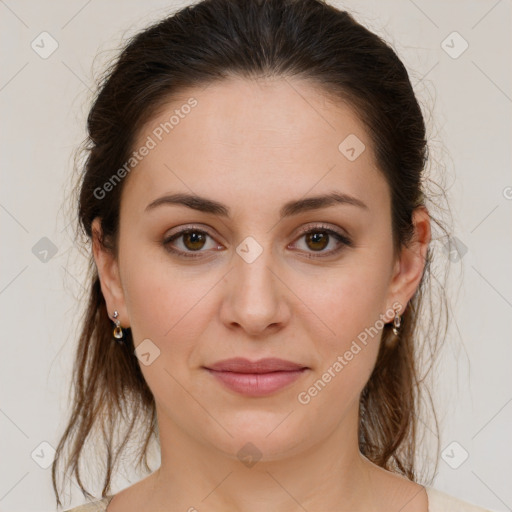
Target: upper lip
[(242, 365)]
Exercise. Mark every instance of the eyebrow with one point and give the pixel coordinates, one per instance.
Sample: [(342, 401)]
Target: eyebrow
[(290, 208)]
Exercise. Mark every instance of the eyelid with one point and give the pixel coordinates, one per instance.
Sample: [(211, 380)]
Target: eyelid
[(188, 227), (182, 230), (342, 238), (303, 229), (318, 227)]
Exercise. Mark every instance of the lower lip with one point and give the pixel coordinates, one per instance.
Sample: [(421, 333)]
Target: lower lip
[(257, 384)]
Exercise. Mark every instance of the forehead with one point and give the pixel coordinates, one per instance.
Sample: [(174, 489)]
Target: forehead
[(247, 137)]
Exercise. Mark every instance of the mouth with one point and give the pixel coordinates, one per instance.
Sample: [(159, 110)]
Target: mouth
[(258, 378)]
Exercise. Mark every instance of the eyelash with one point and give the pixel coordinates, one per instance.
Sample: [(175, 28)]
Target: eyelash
[(342, 239)]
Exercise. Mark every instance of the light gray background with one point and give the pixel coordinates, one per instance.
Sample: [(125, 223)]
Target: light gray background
[(43, 106)]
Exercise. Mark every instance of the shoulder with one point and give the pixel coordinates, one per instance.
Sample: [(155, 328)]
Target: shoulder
[(439, 501), (93, 506)]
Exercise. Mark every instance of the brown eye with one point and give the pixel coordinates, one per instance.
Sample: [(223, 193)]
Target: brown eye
[(194, 240), (317, 240), (187, 241)]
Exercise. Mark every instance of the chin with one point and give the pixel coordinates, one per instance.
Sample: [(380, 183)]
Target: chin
[(261, 440)]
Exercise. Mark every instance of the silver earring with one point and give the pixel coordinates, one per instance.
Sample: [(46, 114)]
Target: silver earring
[(118, 330)]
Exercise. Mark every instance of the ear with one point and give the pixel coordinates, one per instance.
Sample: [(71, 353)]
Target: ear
[(108, 272), (411, 263)]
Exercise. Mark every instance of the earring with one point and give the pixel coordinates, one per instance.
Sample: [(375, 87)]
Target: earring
[(396, 322), (118, 330), (392, 341)]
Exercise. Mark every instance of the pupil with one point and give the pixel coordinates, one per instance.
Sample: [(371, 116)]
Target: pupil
[(319, 238), (195, 238)]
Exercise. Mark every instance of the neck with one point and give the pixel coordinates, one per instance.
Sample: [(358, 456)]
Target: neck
[(330, 475)]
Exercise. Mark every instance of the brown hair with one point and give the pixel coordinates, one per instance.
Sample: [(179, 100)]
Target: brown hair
[(211, 41)]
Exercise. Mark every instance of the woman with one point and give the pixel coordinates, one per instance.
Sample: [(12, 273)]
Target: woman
[(253, 195)]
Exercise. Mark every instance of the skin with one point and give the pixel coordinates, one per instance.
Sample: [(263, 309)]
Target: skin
[(253, 146)]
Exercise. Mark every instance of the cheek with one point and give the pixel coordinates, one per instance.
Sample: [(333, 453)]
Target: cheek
[(149, 304), (166, 303), (345, 326), (170, 308), (340, 305)]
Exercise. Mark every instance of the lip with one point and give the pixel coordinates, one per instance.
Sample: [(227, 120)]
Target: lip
[(266, 365), (256, 378)]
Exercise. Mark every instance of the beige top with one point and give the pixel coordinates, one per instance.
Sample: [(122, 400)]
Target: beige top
[(438, 501)]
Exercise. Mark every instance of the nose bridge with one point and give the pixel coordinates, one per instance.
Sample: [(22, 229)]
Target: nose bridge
[(255, 292), (253, 262)]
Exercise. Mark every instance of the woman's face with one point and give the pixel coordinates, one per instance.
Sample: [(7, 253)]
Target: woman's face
[(249, 281)]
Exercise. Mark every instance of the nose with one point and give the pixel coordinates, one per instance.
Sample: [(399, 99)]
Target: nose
[(255, 297)]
